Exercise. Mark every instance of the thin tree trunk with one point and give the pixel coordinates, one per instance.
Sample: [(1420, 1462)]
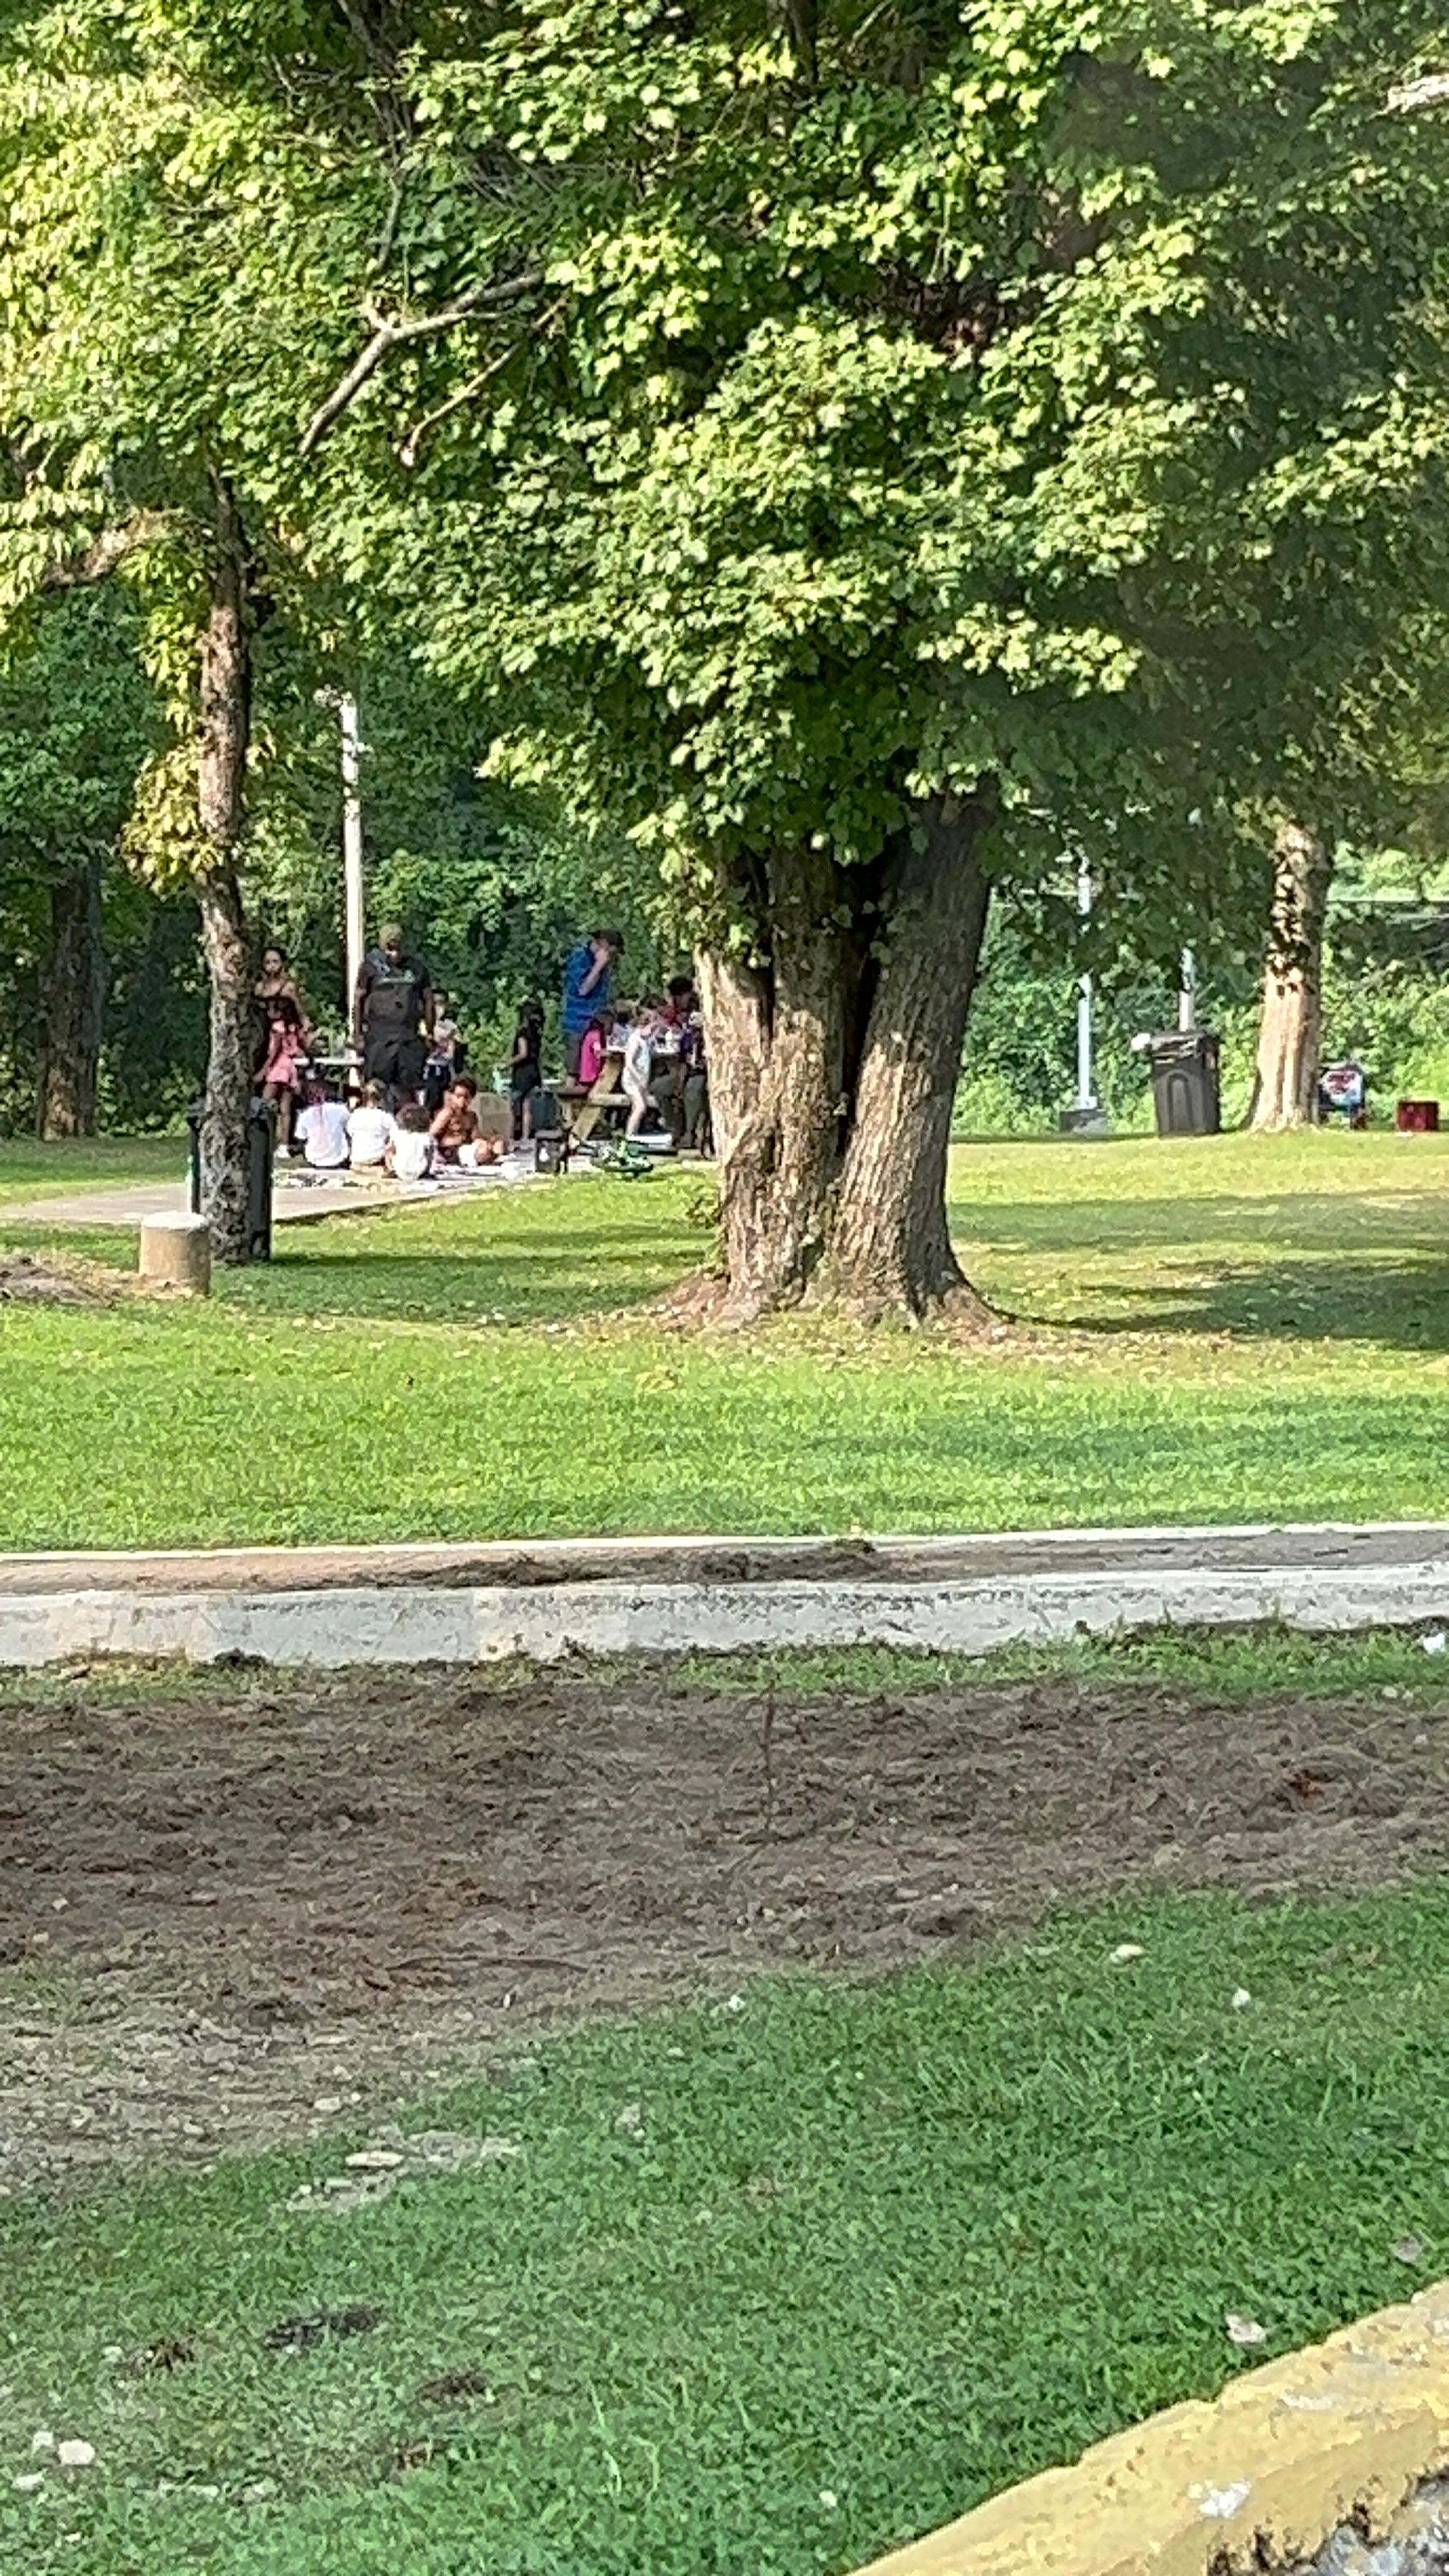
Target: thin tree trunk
[(890, 1245), (777, 1037), (221, 784), (1290, 1035), (73, 1004)]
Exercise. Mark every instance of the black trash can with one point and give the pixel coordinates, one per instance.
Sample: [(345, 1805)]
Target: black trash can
[(261, 1155), (1185, 1082)]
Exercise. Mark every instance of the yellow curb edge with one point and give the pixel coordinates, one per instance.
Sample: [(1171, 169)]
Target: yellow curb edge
[(1261, 2476)]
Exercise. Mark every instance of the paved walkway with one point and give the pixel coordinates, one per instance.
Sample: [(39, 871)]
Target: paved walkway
[(292, 1201), (542, 1599)]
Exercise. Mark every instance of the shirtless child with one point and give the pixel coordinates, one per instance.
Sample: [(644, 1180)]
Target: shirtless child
[(455, 1130)]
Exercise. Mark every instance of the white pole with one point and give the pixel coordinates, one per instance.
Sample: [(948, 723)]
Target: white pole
[(1086, 1094), (351, 847), (1187, 996)]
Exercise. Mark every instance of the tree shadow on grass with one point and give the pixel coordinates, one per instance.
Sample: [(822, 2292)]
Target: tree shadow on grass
[(595, 1270), (1407, 1222), (1399, 1304)]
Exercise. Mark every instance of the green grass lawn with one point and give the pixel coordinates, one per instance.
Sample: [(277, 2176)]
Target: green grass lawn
[(764, 2289), (1227, 1329), (31, 1171)]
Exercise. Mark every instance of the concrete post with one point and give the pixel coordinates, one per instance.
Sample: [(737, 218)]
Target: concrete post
[(176, 1251)]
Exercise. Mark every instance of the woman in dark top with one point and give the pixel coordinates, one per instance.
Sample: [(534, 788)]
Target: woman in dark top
[(525, 1075)]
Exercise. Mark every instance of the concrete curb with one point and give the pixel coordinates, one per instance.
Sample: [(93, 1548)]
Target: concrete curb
[(956, 1596), (1345, 2432)]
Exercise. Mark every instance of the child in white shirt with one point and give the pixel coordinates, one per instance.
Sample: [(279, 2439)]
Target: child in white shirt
[(322, 1132), (370, 1129), (410, 1155), (638, 1065)]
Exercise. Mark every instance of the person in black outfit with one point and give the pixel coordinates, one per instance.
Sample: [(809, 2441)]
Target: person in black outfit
[(391, 1011), (525, 1075)]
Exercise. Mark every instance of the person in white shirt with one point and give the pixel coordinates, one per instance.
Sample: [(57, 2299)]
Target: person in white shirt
[(370, 1129), (322, 1133), (410, 1155), (638, 1064)]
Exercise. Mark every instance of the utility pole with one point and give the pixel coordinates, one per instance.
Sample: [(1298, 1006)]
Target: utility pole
[(1086, 1089), (351, 847)]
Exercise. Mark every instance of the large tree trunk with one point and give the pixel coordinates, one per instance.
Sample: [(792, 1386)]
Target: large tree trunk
[(891, 1247), (1290, 1035), (73, 1004), (833, 1058), (221, 784), (778, 1035)]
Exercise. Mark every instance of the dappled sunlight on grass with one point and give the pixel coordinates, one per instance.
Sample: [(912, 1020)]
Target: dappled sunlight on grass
[(768, 2287), (31, 1170), (1207, 1336)]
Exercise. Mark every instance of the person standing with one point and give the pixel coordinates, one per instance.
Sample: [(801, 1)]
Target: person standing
[(525, 1073), (391, 1011), (672, 1055), (588, 988), (279, 1077)]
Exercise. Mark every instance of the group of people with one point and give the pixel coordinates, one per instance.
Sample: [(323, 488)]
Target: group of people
[(402, 1100), (409, 1107), (657, 1043)]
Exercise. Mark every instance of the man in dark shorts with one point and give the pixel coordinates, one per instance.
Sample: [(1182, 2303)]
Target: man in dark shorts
[(391, 1016)]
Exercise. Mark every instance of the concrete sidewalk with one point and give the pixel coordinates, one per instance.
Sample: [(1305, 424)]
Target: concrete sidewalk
[(293, 1202), (467, 1603)]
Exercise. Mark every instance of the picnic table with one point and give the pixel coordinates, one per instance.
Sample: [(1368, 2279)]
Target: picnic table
[(584, 1108)]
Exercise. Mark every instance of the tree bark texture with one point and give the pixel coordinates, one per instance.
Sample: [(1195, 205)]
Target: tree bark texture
[(890, 1246), (833, 1058), (1290, 1034), (777, 1038), (73, 1005), (221, 784)]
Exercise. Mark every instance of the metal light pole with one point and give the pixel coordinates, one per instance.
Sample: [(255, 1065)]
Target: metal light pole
[(351, 846), (1187, 992), (1086, 1090)]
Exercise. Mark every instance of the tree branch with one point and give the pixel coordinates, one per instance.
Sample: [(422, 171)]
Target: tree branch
[(1431, 91), (72, 572), (410, 445), (799, 23), (390, 331)]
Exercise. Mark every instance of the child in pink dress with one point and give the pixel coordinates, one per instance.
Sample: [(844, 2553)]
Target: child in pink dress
[(280, 1079), (591, 1054)]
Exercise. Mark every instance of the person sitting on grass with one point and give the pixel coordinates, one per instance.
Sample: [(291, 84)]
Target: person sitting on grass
[(370, 1129), (481, 1154), (456, 1123), (409, 1156), (322, 1129)]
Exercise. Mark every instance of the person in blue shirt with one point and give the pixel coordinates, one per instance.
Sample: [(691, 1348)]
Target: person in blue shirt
[(588, 988)]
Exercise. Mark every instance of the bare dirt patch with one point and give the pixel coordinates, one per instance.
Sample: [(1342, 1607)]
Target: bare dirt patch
[(69, 1279), (27, 1280), (238, 1913)]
